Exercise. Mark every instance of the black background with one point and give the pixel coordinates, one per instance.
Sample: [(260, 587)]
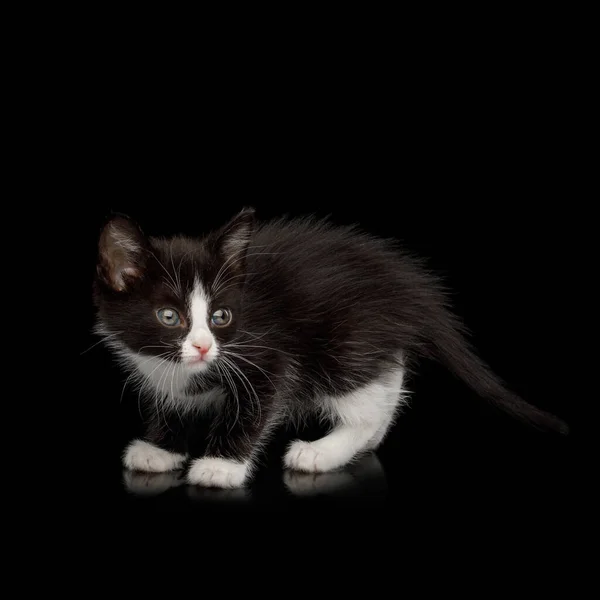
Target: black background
[(467, 171)]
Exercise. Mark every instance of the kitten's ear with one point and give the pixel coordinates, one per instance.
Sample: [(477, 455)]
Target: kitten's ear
[(234, 237), (122, 253)]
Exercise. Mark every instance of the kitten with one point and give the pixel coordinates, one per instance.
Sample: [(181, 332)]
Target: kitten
[(258, 324)]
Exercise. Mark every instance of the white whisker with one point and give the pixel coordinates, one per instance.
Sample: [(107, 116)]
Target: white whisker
[(237, 371), (178, 274), (173, 401), (144, 347), (177, 285), (234, 391), (233, 255), (224, 266), (104, 338), (148, 382), (166, 271), (220, 289), (140, 380), (163, 395), (257, 337), (238, 259), (234, 345), (251, 363)]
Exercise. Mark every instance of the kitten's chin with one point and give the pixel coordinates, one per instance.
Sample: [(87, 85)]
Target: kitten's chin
[(196, 366)]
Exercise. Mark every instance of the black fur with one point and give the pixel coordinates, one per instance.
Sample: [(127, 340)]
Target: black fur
[(332, 304)]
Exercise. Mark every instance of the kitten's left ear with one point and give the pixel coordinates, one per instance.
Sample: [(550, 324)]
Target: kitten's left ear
[(234, 238), (122, 253)]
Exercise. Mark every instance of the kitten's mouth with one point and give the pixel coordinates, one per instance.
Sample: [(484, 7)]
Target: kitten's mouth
[(196, 362)]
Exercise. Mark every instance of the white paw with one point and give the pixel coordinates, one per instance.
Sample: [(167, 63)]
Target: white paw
[(217, 472), (313, 457), (143, 456)]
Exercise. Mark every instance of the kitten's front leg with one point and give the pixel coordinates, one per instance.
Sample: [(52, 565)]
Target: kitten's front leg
[(141, 455), (219, 472), (162, 449), (232, 445)]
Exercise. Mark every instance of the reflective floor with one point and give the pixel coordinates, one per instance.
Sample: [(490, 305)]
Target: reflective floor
[(363, 481)]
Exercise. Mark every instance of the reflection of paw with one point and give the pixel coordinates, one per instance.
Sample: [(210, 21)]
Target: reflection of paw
[(310, 484), (150, 484), (143, 456), (312, 457), (199, 493), (217, 472)]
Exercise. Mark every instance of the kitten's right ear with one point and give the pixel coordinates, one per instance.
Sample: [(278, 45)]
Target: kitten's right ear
[(123, 252)]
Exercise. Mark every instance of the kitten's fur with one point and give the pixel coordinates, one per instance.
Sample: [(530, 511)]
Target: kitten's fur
[(325, 320)]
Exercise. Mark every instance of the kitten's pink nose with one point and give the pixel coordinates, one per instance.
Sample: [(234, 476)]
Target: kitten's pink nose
[(202, 347)]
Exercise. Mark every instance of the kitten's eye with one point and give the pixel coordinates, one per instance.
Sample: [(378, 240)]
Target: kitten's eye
[(168, 317), (221, 317)]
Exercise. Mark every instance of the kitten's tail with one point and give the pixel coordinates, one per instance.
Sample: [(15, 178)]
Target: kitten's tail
[(453, 351)]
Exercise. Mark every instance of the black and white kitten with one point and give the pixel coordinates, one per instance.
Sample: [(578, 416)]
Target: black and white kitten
[(260, 323)]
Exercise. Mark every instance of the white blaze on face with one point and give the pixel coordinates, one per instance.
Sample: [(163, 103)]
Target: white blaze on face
[(200, 335)]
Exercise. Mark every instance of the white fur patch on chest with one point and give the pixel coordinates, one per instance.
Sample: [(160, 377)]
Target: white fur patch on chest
[(165, 376), (167, 382)]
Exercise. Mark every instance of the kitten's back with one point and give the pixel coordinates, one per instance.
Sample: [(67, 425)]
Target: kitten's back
[(343, 297)]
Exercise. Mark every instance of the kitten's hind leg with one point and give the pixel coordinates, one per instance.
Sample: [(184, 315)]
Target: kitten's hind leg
[(396, 399), (361, 418), (377, 439)]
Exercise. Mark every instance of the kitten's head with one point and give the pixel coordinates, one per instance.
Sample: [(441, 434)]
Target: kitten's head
[(177, 299)]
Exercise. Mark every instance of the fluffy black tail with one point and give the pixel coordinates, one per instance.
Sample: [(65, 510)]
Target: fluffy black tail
[(453, 351)]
